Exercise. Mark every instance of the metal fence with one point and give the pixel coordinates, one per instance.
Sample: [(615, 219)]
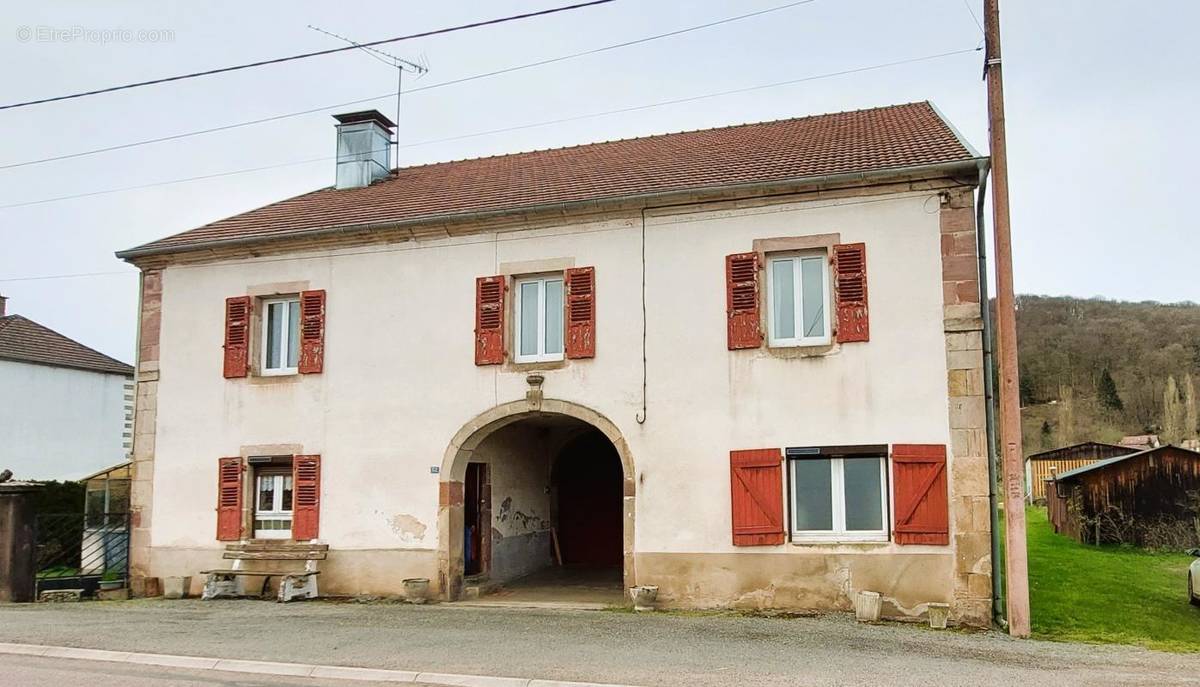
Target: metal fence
[(84, 552)]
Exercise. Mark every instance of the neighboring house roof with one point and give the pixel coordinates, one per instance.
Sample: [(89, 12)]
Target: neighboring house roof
[(898, 137), (24, 340), (105, 471), (1101, 464), (1063, 452)]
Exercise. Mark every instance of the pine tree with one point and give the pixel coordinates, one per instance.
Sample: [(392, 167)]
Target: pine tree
[(1047, 435), (1109, 397)]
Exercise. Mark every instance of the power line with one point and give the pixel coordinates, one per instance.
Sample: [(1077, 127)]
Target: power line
[(489, 132), (76, 275), (319, 53), (967, 4), (484, 75)]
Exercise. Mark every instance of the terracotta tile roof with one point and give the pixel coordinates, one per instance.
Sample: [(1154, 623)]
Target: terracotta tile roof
[(24, 340), (884, 138)]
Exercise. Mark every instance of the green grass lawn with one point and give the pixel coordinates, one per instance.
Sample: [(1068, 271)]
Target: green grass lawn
[(1107, 594)]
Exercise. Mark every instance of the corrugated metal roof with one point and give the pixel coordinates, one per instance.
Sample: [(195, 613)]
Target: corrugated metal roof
[(1109, 461)]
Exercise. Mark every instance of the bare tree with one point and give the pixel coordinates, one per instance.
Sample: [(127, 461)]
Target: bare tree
[(1172, 412), (1190, 420)]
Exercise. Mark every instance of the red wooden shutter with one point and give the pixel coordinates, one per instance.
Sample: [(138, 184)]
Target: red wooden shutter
[(229, 499), (312, 331), (756, 483), (306, 497), (581, 312), (741, 300), (489, 320), (919, 488), (237, 336), (850, 292)]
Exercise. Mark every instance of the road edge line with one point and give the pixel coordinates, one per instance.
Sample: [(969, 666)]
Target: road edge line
[(236, 665)]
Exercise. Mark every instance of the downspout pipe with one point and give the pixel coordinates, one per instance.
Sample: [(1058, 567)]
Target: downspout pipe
[(989, 399)]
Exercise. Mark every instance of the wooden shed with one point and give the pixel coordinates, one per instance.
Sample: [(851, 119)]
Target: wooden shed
[(1150, 498), (1040, 467)]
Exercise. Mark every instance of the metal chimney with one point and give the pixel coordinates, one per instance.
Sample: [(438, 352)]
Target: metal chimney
[(364, 145)]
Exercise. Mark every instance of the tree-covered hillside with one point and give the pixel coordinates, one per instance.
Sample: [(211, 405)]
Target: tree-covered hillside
[(1094, 369)]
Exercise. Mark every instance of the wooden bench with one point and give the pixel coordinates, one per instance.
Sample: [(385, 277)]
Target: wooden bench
[(294, 585)]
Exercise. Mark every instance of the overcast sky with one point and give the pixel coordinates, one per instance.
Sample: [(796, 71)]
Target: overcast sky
[(1102, 99)]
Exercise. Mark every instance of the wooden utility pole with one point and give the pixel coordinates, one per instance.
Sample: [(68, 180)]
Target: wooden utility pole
[(1016, 568)]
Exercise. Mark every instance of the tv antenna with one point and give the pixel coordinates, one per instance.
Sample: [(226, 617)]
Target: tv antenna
[(401, 65)]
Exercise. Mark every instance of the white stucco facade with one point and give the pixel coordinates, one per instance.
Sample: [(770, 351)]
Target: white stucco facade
[(62, 423), (399, 383)]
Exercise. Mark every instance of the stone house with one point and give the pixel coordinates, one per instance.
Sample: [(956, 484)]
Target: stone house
[(743, 364)]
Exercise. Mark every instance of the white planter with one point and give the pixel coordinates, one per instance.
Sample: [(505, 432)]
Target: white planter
[(643, 597), (176, 587), (939, 614), (416, 590), (868, 606)]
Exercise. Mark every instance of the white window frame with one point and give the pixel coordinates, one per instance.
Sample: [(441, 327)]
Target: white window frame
[(798, 298), (541, 356), (285, 341), (837, 477), (277, 512)]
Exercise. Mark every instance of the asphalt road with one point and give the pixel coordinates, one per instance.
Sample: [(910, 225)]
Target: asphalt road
[(32, 671), (598, 646)]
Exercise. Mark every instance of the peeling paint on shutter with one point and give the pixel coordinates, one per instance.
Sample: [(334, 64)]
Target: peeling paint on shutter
[(919, 488), (229, 499), (756, 486), (850, 292), (237, 336), (312, 332), (306, 497), (742, 301), (489, 320), (581, 312)]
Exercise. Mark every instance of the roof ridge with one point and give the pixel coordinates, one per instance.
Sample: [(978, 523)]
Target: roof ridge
[(663, 134)]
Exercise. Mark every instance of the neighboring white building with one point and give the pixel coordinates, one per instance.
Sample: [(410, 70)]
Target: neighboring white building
[(66, 410), (742, 364)]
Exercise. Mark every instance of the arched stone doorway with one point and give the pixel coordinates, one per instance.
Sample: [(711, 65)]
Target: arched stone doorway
[(531, 441)]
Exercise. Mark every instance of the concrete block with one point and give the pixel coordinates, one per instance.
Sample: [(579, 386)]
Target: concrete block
[(970, 549), (966, 360), (86, 654), (960, 268), (364, 674), (113, 594), (964, 341), (968, 442), (61, 595), (964, 311), (169, 661), (980, 586), (264, 667), (471, 680), (967, 412), (969, 476), (965, 382)]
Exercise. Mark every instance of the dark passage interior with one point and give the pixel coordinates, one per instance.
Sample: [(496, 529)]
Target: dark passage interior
[(587, 479), (543, 513)]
